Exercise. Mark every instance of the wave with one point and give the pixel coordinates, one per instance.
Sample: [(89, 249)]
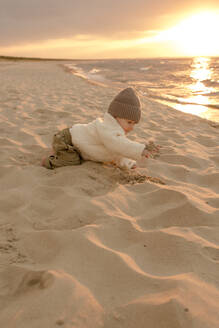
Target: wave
[(178, 101), (90, 76), (145, 68)]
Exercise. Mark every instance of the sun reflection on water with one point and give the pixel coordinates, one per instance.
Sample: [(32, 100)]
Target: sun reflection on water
[(201, 69), (198, 101)]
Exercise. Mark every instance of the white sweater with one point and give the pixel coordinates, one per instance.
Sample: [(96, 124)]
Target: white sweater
[(104, 140)]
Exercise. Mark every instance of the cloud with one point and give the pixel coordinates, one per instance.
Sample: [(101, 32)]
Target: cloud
[(29, 21)]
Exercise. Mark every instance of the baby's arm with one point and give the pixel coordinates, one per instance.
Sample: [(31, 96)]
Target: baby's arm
[(122, 146), (150, 150), (131, 164)]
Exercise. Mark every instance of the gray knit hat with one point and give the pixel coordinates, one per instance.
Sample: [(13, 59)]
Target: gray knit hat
[(126, 105)]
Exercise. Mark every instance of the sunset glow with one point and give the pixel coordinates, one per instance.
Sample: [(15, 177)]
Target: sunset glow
[(195, 36)]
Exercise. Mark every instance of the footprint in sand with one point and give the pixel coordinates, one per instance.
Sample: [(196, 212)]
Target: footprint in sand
[(39, 280)]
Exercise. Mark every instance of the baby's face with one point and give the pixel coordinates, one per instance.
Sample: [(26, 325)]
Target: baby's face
[(126, 125)]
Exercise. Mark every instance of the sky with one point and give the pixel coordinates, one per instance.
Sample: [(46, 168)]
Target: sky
[(87, 29)]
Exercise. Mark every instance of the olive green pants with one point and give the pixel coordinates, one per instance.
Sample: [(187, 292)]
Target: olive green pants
[(65, 153)]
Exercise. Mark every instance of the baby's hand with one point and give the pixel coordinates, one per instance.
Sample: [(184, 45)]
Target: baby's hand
[(145, 153), (152, 149)]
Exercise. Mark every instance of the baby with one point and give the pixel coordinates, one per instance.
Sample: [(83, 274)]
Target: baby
[(102, 140)]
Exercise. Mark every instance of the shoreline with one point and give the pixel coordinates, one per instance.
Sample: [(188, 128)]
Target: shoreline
[(95, 74)]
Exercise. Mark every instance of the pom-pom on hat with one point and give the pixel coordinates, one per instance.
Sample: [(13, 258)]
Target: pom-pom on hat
[(126, 105)]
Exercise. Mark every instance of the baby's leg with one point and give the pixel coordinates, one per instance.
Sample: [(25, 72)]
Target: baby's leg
[(64, 153)]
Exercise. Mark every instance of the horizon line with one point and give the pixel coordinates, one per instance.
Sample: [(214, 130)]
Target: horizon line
[(93, 59)]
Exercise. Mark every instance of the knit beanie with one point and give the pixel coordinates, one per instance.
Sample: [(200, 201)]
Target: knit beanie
[(126, 105)]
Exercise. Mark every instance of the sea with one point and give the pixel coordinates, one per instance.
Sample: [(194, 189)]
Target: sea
[(190, 85)]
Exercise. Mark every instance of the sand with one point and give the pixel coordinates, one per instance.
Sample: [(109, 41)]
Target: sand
[(93, 246)]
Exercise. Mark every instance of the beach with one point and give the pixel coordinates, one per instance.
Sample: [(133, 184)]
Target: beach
[(94, 246)]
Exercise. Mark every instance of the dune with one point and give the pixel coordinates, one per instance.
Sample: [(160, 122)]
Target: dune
[(94, 246)]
